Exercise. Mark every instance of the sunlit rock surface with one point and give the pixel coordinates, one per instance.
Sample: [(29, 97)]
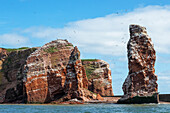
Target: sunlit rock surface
[(51, 73), (99, 76), (141, 80), (76, 85), (45, 71), (55, 72)]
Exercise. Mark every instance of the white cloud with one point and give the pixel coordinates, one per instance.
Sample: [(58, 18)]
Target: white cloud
[(164, 73), (109, 34), (165, 78), (13, 40)]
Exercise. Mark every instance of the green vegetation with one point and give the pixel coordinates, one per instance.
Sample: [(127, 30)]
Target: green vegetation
[(70, 45), (89, 91), (15, 49), (51, 50), (89, 71), (90, 67), (93, 92), (33, 49), (89, 60)]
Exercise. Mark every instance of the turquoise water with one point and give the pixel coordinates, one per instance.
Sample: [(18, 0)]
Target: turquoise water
[(91, 108)]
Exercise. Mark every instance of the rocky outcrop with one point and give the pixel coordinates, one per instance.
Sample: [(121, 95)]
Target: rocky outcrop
[(99, 76), (51, 73), (55, 72), (12, 63), (76, 84), (140, 85), (45, 71)]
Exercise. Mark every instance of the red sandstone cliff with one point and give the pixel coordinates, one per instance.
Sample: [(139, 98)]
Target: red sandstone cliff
[(46, 71), (53, 72), (99, 76), (12, 63), (76, 85), (141, 81)]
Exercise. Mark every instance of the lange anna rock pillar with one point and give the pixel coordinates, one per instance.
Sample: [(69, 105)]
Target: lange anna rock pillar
[(140, 85)]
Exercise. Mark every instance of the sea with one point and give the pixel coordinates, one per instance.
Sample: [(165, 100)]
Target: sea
[(87, 108)]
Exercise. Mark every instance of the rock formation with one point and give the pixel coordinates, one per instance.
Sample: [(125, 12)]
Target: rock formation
[(12, 63), (76, 85), (140, 85), (46, 71), (99, 76), (51, 73), (54, 72)]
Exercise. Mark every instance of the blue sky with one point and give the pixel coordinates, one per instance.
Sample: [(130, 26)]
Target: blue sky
[(98, 27)]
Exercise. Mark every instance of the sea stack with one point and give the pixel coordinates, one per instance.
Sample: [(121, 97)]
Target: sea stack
[(140, 85)]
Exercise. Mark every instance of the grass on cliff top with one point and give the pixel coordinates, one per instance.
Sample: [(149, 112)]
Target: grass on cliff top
[(70, 45), (51, 50), (15, 49), (89, 59)]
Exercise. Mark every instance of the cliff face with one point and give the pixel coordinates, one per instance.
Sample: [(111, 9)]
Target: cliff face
[(45, 72), (99, 76), (11, 79), (53, 72), (76, 85), (141, 80)]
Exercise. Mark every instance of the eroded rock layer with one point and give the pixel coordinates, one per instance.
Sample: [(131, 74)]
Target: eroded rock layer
[(51, 73), (45, 71), (55, 72), (12, 63), (76, 85), (99, 76), (141, 81)]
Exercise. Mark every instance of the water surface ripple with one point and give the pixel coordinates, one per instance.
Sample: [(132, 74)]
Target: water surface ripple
[(90, 108)]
